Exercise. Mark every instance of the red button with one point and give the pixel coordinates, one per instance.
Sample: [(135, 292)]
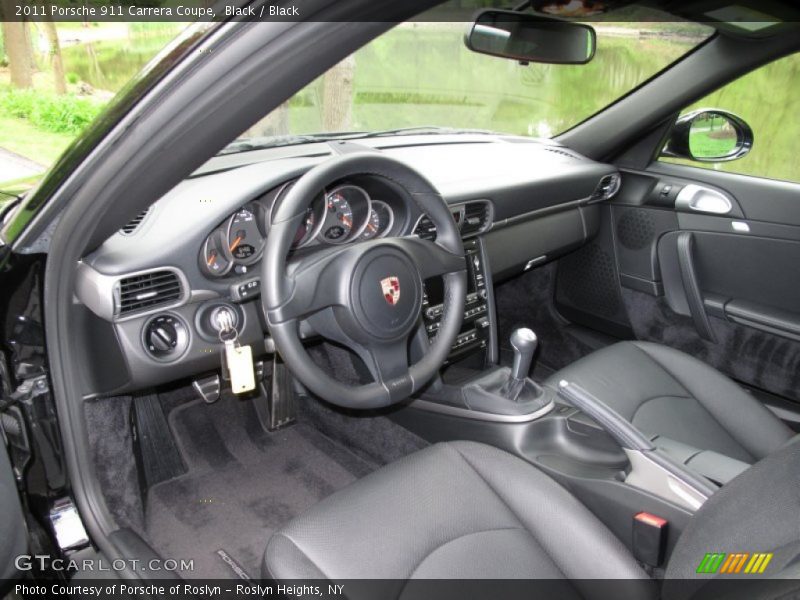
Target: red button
[(649, 519)]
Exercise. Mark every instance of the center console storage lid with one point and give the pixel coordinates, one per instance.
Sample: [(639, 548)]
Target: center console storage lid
[(717, 467), (714, 466)]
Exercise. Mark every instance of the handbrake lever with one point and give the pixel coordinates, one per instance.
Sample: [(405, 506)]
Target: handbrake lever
[(651, 469)]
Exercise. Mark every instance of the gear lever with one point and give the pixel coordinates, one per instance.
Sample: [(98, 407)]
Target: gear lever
[(524, 343), (509, 391)]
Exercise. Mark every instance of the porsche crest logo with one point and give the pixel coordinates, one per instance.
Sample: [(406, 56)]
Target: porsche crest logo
[(390, 286)]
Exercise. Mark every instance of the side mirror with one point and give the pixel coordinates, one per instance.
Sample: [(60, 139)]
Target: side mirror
[(709, 135), (531, 38)]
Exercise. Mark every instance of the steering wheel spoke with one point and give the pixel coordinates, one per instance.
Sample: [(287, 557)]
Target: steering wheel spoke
[(389, 365), (430, 258), (315, 286), (388, 361)]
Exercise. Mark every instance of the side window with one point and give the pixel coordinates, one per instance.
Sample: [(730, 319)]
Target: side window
[(765, 99)]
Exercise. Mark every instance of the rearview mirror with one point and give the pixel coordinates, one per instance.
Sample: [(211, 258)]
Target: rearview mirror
[(709, 135), (531, 38)]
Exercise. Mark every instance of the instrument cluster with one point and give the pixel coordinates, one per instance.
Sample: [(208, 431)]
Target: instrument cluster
[(345, 213)]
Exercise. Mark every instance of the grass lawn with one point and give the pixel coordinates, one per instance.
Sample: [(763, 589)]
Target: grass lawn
[(20, 136), (703, 145)]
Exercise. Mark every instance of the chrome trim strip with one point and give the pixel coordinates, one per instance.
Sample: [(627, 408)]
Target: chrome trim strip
[(542, 212), (648, 475), (455, 411)]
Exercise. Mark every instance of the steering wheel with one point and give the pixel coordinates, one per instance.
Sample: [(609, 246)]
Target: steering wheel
[(365, 296)]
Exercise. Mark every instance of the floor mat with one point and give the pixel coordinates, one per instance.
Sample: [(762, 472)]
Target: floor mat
[(528, 301), (242, 484)]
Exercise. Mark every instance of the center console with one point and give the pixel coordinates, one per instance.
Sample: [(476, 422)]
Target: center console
[(558, 429), (477, 333)]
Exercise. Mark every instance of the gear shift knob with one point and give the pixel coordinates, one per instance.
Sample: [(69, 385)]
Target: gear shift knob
[(524, 343)]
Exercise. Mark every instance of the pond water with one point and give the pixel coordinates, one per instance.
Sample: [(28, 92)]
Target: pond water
[(423, 75), (110, 64)]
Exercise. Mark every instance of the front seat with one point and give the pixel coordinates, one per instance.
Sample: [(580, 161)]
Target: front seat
[(667, 393), (463, 510)]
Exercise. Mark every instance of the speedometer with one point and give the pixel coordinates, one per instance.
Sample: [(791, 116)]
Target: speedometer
[(381, 219), (244, 238), (347, 209)]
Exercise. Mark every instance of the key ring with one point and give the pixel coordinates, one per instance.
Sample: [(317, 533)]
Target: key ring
[(228, 335)]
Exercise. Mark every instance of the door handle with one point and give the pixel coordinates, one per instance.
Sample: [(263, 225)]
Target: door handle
[(697, 198), (694, 296)]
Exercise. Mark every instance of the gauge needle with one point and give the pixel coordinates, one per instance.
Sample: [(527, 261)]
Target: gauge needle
[(345, 220), (212, 259), (236, 242), (371, 226)]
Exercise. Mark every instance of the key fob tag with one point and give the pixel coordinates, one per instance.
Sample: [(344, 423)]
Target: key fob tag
[(239, 360)]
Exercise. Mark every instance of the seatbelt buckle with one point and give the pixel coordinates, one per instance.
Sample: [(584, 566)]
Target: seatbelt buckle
[(649, 538)]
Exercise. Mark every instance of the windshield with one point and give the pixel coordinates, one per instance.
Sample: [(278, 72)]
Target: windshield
[(54, 87), (421, 75), (418, 75)]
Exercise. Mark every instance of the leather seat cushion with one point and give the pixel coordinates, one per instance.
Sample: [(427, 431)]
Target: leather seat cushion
[(453, 510), (668, 393)]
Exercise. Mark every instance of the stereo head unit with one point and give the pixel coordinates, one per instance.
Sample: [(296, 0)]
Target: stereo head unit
[(475, 330)]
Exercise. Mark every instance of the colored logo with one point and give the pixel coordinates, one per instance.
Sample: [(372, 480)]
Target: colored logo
[(734, 563), (391, 289)]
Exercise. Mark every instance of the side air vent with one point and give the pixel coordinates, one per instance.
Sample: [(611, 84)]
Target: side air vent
[(135, 222), (608, 186), (477, 217), (425, 229), (147, 290)]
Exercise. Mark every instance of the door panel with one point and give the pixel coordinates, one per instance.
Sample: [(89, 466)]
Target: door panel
[(732, 267), (13, 536), (759, 199), (722, 287)]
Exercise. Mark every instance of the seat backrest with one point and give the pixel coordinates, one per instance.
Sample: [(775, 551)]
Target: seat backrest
[(757, 512)]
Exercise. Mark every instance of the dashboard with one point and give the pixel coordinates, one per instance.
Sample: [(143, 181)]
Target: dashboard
[(148, 295)]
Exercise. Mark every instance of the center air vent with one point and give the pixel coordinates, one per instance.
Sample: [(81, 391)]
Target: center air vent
[(425, 229), (156, 288), (477, 217), (472, 218), (132, 225), (608, 186)]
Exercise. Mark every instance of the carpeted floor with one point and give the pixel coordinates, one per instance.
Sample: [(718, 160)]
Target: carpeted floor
[(242, 484), (528, 301)]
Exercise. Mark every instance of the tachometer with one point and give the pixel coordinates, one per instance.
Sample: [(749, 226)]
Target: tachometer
[(311, 223), (244, 238), (214, 259), (314, 219), (341, 224), (305, 227), (346, 211), (381, 219)]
